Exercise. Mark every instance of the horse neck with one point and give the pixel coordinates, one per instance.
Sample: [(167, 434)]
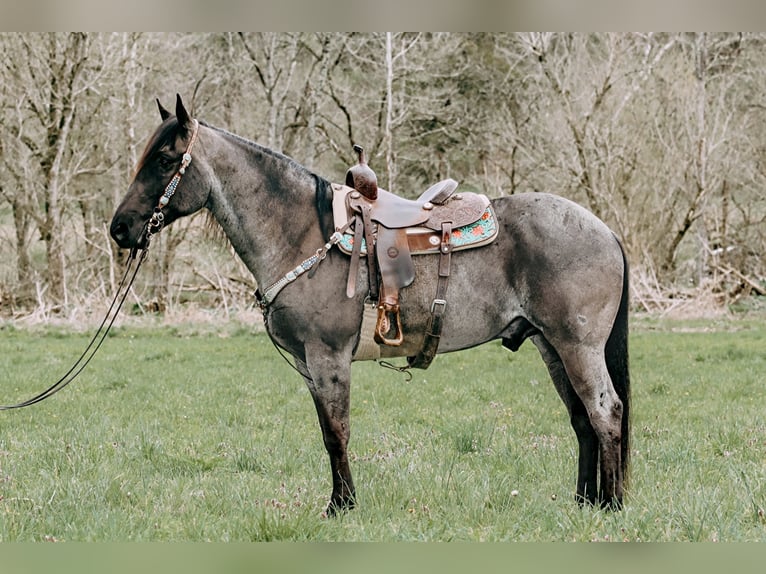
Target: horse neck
[(267, 207)]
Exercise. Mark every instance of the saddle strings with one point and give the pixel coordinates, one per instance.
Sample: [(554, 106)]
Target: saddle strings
[(404, 370), (97, 339)]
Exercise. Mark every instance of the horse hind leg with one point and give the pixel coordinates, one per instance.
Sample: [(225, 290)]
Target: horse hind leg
[(587, 440), (587, 372)]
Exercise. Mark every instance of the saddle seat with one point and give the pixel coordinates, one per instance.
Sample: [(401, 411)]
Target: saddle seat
[(396, 212)]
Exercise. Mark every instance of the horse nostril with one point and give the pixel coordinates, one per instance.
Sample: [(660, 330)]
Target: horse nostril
[(119, 231)]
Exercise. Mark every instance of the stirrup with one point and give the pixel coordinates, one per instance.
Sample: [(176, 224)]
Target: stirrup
[(384, 325)]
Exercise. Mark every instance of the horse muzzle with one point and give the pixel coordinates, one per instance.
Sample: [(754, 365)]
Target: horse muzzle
[(128, 230)]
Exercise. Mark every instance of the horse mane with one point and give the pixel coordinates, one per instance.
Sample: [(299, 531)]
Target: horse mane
[(290, 162), (324, 205)]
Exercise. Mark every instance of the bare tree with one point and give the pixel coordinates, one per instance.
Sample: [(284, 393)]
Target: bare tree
[(660, 134), (54, 70)]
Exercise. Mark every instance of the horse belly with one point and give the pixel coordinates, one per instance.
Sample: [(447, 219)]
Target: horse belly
[(480, 301)]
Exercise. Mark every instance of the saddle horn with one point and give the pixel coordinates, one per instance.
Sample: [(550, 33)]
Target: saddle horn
[(361, 177)]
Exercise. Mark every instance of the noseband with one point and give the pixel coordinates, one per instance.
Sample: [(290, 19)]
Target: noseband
[(158, 218)]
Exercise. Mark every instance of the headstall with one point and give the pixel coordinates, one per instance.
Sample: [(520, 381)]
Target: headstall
[(158, 218)]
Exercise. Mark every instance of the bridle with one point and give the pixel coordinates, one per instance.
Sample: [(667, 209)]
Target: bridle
[(153, 226)]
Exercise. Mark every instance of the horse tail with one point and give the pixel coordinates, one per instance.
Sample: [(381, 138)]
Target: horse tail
[(617, 363)]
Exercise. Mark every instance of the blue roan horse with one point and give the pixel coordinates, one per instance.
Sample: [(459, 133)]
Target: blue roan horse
[(554, 274)]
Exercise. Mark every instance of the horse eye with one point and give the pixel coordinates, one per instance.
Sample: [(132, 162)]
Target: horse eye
[(165, 162)]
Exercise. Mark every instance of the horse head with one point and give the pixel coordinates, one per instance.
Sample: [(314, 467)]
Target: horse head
[(161, 170)]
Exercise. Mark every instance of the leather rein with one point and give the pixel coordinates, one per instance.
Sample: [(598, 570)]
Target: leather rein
[(137, 257)]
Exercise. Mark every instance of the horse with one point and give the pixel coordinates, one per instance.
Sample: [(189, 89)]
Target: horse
[(555, 274)]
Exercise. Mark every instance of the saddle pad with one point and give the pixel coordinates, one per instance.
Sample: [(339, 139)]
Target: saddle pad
[(423, 240)]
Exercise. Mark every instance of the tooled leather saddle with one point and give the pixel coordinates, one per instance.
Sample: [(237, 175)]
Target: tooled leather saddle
[(388, 230)]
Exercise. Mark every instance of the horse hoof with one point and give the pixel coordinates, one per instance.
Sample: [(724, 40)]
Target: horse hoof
[(583, 500), (605, 503), (341, 506), (612, 504)]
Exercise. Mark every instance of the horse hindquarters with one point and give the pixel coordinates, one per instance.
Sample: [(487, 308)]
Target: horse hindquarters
[(570, 277), (599, 375), (592, 378)]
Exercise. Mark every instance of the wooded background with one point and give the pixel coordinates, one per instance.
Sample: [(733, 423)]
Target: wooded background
[(660, 135)]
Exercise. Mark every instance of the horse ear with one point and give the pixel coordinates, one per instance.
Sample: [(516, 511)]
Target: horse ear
[(184, 121), (164, 114)]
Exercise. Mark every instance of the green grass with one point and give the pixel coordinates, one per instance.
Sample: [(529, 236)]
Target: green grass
[(184, 434)]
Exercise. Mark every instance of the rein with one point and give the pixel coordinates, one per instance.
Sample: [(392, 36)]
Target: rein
[(153, 226), (96, 340)]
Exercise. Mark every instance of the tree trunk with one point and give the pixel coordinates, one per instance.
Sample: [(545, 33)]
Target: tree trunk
[(388, 136)]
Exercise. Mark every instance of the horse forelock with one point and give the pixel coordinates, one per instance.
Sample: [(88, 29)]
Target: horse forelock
[(162, 136)]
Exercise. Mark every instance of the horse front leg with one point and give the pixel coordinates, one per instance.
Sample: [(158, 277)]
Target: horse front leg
[(328, 378)]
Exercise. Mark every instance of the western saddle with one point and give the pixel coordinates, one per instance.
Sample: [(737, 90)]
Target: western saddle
[(389, 229)]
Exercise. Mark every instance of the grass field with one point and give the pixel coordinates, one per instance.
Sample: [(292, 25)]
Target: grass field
[(186, 434)]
